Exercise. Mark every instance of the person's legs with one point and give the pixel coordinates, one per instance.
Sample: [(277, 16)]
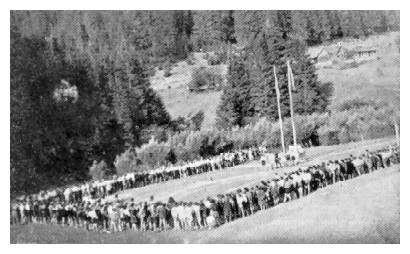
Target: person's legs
[(260, 203), (244, 214), (161, 224), (227, 219)]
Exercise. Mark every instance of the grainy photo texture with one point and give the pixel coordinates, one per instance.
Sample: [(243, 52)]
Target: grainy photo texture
[(205, 126)]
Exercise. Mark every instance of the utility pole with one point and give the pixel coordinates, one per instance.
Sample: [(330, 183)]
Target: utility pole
[(291, 86), (279, 112)]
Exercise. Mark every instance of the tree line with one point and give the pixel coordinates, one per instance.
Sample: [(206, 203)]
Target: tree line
[(168, 36)]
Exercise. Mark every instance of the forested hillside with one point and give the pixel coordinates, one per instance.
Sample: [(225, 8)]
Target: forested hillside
[(81, 93)]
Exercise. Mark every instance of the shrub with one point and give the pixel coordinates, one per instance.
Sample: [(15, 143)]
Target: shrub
[(360, 123), (196, 120), (160, 133), (329, 137), (348, 65), (153, 154), (357, 103), (151, 71), (206, 56), (179, 124), (204, 78), (356, 121), (214, 59), (167, 71), (126, 162), (190, 60), (349, 54), (98, 170)]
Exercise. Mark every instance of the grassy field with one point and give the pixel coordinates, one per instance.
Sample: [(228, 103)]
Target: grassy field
[(364, 210), (377, 79), (176, 97)]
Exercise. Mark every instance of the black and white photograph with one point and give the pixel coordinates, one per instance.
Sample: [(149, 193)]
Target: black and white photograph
[(204, 126)]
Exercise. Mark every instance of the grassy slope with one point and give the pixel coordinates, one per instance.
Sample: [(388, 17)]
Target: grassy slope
[(378, 79), (363, 210), (349, 212), (176, 97)]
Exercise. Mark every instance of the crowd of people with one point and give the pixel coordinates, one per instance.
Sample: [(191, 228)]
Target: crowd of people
[(120, 215), (92, 191)]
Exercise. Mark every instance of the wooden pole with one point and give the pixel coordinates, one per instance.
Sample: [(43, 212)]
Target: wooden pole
[(396, 130), (290, 85), (279, 112)]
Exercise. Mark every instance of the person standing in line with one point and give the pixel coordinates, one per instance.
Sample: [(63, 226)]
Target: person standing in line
[(240, 202), (288, 188), (196, 214), (227, 209), (162, 216)]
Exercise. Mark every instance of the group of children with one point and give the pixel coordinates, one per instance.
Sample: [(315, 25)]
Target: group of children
[(119, 215)]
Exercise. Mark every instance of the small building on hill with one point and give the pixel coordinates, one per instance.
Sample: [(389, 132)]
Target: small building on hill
[(366, 52)]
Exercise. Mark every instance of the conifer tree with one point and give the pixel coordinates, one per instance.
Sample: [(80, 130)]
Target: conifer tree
[(232, 109)]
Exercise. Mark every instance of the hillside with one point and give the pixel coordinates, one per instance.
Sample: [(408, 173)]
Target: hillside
[(176, 97), (376, 77)]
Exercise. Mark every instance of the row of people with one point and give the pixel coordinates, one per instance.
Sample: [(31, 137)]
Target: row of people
[(120, 215), (100, 189)]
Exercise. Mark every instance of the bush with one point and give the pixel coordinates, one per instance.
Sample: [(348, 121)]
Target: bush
[(126, 162), (190, 60), (348, 65), (357, 103), (98, 170), (204, 78), (196, 120), (151, 71), (358, 124), (349, 54), (206, 56), (167, 71), (153, 154), (160, 133), (356, 121), (329, 137), (214, 59)]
